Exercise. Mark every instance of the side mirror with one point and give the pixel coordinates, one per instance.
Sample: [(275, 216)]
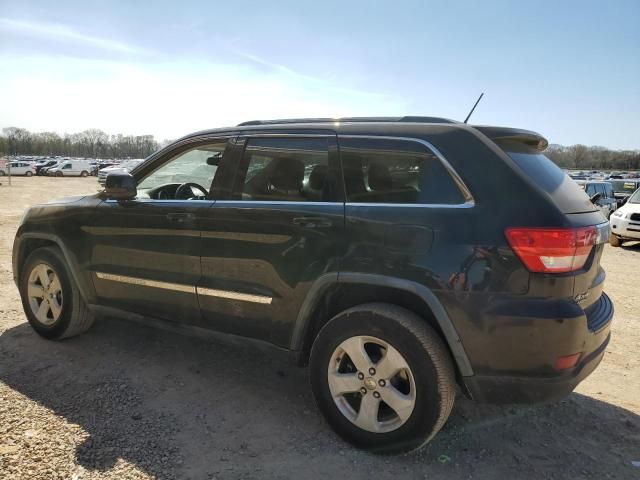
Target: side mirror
[(120, 186), (596, 197), (214, 160)]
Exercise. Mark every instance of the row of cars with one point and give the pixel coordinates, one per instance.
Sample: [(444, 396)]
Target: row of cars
[(64, 167), (609, 195)]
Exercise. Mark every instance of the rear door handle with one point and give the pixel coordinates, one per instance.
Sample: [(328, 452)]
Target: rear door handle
[(312, 222), (181, 217)]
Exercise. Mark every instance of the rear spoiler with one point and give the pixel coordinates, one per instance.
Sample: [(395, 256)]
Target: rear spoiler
[(526, 137)]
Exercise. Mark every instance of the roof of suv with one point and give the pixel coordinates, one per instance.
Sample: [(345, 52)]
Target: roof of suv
[(531, 139)]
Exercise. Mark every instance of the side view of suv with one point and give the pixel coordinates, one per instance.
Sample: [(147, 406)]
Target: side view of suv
[(379, 251)]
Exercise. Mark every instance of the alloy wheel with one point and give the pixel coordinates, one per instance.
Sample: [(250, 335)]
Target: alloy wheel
[(44, 292), (371, 384)]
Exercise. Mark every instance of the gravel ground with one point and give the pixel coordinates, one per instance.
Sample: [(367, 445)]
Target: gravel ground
[(126, 401)]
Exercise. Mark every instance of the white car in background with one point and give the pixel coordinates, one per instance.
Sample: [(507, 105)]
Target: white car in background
[(126, 166), (625, 222), (70, 168), (21, 168)]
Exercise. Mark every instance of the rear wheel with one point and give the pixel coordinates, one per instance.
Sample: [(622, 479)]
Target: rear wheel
[(615, 241), (28, 173), (50, 298), (84, 173), (382, 378), (2, 174)]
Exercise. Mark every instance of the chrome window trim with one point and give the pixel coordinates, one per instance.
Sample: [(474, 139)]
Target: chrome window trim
[(277, 135), (466, 193), (411, 205)]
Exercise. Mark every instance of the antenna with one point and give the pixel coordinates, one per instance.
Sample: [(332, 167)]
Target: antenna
[(474, 107)]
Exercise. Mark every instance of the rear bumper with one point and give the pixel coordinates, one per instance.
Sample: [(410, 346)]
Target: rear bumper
[(591, 333)]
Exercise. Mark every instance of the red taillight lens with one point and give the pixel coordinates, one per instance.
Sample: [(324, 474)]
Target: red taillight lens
[(552, 250), (568, 361)]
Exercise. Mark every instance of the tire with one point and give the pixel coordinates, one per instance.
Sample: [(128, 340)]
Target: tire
[(615, 241), (84, 173), (58, 174), (428, 382), (73, 316), (2, 174), (28, 173)]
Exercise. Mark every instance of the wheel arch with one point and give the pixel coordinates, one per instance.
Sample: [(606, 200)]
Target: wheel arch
[(28, 242), (333, 293)]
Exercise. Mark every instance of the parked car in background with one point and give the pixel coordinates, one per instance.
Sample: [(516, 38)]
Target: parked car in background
[(42, 167), (625, 222), (3, 166), (21, 168), (623, 189), (126, 166), (369, 249), (606, 201), (71, 168)]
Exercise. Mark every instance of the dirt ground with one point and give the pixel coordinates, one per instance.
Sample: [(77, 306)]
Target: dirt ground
[(129, 401)]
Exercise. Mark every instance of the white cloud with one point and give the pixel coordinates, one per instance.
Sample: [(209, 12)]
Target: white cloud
[(53, 31), (167, 99)]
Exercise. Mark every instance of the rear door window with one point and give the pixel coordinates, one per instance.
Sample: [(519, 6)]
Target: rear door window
[(287, 169), (395, 171), (565, 192)]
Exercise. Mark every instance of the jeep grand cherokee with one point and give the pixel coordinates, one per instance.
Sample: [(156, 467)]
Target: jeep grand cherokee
[(380, 251)]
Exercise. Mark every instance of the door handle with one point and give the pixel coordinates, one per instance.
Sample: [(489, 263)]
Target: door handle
[(181, 217), (312, 222)]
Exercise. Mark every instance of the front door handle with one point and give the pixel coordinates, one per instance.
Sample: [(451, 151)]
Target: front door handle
[(312, 222), (181, 217)]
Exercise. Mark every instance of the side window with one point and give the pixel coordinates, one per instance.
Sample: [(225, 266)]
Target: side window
[(68, 165), (608, 190), (590, 189), (285, 169), (194, 166), (395, 171)]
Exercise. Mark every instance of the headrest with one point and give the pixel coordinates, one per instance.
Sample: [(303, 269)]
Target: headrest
[(318, 177), (379, 177), (287, 173)]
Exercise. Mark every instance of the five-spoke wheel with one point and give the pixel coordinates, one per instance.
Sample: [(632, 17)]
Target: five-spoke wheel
[(45, 294)]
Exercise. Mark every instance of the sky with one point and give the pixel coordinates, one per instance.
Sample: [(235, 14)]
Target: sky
[(569, 70)]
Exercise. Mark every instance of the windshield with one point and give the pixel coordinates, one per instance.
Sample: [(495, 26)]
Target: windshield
[(622, 186), (635, 198)]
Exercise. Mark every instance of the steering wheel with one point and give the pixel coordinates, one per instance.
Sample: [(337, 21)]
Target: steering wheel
[(182, 189)]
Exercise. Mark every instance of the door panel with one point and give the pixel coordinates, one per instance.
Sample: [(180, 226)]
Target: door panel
[(260, 256), (146, 251), (146, 261)]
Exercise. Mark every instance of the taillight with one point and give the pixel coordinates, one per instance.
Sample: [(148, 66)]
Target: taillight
[(552, 250)]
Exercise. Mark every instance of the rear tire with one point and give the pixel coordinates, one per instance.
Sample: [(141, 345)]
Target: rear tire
[(615, 241), (50, 298), (2, 174), (84, 173), (28, 173), (404, 409)]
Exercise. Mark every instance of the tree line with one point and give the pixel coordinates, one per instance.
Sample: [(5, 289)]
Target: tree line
[(95, 143), (583, 157), (92, 143)]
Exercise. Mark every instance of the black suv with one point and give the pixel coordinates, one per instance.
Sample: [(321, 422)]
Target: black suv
[(381, 251)]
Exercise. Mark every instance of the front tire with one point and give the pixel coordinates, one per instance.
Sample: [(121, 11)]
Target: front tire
[(615, 241), (58, 174), (28, 173), (382, 377), (50, 299)]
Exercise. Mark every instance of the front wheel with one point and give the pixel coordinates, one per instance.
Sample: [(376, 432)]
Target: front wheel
[(614, 240), (382, 377), (50, 299), (28, 173), (58, 174)]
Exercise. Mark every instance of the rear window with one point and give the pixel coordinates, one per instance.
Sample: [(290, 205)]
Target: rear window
[(566, 193)]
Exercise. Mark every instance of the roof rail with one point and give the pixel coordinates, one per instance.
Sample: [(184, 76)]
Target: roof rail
[(407, 119)]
